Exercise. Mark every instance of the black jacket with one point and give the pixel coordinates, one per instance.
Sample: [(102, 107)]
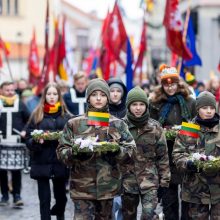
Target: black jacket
[(44, 162), (118, 111), (19, 119)]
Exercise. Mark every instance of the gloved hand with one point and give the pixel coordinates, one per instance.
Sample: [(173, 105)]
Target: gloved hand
[(84, 156), (161, 192), (191, 167), (110, 157)]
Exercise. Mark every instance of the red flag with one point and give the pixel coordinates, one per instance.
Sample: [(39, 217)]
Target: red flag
[(114, 40), (4, 47), (115, 33), (174, 27), (105, 53), (33, 60), (219, 66), (46, 67), (142, 49), (1, 63)]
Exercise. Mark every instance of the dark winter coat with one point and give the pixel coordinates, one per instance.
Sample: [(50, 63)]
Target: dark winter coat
[(19, 119), (73, 105), (44, 162), (118, 111), (174, 118)]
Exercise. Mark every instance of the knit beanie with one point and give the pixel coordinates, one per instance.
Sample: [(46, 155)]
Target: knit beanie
[(97, 84), (205, 99), (190, 78), (118, 86), (169, 75), (136, 95)]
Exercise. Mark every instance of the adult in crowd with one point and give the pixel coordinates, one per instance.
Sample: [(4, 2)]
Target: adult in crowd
[(75, 99), (50, 115), (151, 164), (170, 105), (117, 107), (14, 115), (200, 187), (95, 177)]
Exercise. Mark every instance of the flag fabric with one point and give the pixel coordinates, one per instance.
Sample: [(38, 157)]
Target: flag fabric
[(219, 66), (33, 61), (1, 63), (62, 53), (173, 24), (189, 129), (191, 44), (46, 63), (128, 69), (105, 53), (115, 34), (142, 49), (98, 118), (5, 47)]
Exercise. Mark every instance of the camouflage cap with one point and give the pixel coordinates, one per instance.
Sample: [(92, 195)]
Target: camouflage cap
[(97, 84), (205, 99), (136, 95)]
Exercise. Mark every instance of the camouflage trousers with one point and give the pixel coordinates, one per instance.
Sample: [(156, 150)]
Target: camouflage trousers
[(93, 209), (130, 203), (195, 211)]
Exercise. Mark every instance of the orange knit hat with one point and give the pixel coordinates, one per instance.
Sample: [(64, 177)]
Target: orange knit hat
[(168, 74)]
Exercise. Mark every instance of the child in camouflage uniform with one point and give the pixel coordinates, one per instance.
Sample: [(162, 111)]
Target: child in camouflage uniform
[(95, 179), (200, 190), (151, 164)]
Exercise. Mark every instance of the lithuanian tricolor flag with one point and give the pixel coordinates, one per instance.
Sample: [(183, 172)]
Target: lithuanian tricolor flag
[(190, 129), (98, 118)]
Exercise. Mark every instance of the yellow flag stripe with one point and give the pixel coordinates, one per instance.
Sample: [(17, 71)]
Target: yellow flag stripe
[(191, 125), (99, 114)]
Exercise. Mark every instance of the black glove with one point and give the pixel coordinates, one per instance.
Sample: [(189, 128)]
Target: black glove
[(84, 156), (191, 167), (110, 157), (161, 192)]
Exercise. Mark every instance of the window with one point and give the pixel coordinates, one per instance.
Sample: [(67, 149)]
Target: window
[(15, 7), (9, 7), (1, 7)]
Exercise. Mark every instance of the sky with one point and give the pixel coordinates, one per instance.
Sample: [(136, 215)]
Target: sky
[(131, 7)]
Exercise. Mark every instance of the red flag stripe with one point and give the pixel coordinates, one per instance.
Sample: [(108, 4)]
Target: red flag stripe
[(97, 123), (188, 133)]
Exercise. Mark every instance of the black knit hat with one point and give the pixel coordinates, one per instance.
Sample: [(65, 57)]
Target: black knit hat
[(205, 99), (97, 84), (136, 95)]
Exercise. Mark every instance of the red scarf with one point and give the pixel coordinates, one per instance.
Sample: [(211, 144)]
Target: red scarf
[(52, 108)]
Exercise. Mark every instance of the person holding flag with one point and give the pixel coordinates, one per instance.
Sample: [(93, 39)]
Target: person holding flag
[(170, 105), (200, 187), (95, 177)]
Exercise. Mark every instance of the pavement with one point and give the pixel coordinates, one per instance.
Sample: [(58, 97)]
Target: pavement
[(30, 210)]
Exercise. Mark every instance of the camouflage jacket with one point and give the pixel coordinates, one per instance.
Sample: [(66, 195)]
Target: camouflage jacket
[(151, 163), (95, 176), (200, 188)]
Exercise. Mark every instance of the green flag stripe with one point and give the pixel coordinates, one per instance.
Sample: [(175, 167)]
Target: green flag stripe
[(189, 129), (98, 119)]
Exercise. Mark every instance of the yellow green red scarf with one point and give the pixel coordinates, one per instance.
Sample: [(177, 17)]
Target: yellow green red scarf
[(52, 108)]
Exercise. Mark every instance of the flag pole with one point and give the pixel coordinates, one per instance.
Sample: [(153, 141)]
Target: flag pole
[(185, 27), (9, 68)]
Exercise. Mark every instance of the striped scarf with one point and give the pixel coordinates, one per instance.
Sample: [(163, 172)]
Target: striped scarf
[(172, 100), (52, 108)]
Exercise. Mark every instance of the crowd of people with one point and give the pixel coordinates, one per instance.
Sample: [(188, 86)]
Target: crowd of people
[(146, 168)]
